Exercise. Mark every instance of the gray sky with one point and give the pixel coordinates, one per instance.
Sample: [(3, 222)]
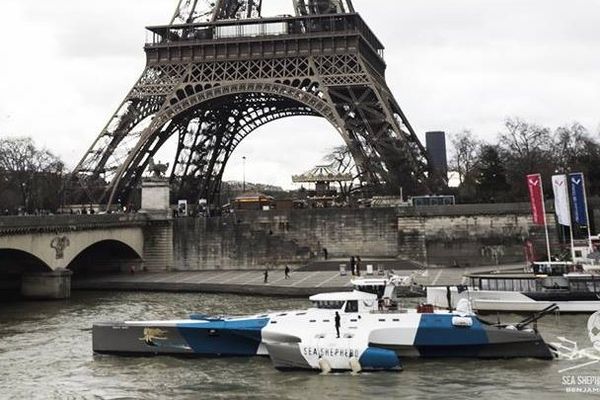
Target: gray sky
[(452, 65)]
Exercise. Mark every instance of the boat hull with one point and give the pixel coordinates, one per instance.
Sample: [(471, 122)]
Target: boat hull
[(122, 339), (185, 338), (288, 357), (385, 339), (437, 337)]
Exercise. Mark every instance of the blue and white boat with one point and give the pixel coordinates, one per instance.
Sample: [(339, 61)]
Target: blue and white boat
[(372, 335)]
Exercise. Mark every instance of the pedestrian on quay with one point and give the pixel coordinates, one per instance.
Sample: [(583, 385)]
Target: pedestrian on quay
[(325, 253), (287, 272), (352, 265), (266, 275), (358, 261), (337, 324)]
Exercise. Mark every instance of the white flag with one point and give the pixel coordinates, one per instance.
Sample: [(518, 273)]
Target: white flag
[(561, 199)]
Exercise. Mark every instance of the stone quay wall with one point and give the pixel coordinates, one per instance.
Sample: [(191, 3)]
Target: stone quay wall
[(255, 239), (469, 235), (465, 235)]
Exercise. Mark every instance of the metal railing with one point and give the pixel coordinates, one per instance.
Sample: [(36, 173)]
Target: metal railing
[(266, 27), (69, 222)]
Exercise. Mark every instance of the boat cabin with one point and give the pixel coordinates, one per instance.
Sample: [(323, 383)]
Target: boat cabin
[(572, 282), (554, 268), (346, 302), (390, 287), (505, 282)]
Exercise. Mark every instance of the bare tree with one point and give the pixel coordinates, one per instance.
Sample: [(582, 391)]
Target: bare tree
[(29, 170), (528, 149), (465, 153), (571, 144), (528, 144), (341, 161)]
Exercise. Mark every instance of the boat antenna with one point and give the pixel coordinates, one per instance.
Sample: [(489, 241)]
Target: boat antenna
[(449, 298)]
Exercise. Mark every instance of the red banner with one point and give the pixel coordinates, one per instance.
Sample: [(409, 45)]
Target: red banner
[(536, 197)]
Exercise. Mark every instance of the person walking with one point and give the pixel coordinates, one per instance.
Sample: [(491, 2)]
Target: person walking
[(358, 261), (266, 275), (352, 264), (287, 272), (337, 324)]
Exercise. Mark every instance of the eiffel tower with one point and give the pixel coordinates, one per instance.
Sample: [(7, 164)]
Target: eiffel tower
[(220, 70)]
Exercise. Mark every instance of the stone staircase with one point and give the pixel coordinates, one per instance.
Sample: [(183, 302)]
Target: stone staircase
[(385, 264)]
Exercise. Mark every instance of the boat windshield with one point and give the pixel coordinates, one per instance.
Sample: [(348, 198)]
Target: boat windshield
[(351, 306), (329, 304), (373, 289)]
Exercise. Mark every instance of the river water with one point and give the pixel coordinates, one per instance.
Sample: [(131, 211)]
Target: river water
[(46, 353)]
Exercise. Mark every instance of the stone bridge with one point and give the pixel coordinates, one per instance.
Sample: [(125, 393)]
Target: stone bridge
[(39, 254)]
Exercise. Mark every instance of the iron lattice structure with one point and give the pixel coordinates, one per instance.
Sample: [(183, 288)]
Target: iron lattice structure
[(219, 71)]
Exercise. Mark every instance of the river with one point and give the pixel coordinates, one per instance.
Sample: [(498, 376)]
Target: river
[(46, 353)]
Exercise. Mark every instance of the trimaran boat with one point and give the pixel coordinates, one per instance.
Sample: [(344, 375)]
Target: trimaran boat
[(375, 333)]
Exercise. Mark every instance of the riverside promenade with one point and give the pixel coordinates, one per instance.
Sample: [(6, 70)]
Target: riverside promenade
[(251, 282)]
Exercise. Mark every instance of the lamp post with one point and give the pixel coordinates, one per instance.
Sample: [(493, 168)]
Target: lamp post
[(244, 174)]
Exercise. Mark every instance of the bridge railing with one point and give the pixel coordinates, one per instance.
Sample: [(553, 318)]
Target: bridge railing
[(16, 224)]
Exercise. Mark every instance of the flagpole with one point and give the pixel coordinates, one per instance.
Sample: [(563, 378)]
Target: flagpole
[(562, 207), (587, 214), (572, 241), (570, 218), (545, 220)]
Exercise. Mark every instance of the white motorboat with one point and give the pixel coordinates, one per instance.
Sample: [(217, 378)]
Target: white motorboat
[(561, 283)]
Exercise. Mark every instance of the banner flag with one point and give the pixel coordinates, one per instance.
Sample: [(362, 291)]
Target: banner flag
[(579, 200), (561, 199), (536, 197)]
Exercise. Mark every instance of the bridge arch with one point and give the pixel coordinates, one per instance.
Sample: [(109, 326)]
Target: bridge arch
[(105, 256), (14, 264), (56, 249), (17, 261)]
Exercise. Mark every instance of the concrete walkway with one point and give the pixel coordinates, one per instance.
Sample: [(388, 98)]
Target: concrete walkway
[(300, 284)]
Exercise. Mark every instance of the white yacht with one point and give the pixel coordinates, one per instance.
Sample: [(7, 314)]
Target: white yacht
[(565, 284)]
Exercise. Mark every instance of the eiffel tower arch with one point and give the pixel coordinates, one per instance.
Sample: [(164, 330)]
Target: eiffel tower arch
[(220, 70)]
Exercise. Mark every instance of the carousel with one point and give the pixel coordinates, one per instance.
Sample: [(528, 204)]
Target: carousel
[(323, 177)]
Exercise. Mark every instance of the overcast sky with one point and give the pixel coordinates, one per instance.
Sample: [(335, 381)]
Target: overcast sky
[(65, 66)]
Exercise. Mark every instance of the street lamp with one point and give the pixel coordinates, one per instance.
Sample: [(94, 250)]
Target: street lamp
[(244, 174)]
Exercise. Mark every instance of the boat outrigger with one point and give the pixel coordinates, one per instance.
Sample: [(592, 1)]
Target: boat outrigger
[(373, 335)]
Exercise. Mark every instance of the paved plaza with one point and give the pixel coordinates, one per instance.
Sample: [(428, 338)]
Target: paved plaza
[(300, 283)]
